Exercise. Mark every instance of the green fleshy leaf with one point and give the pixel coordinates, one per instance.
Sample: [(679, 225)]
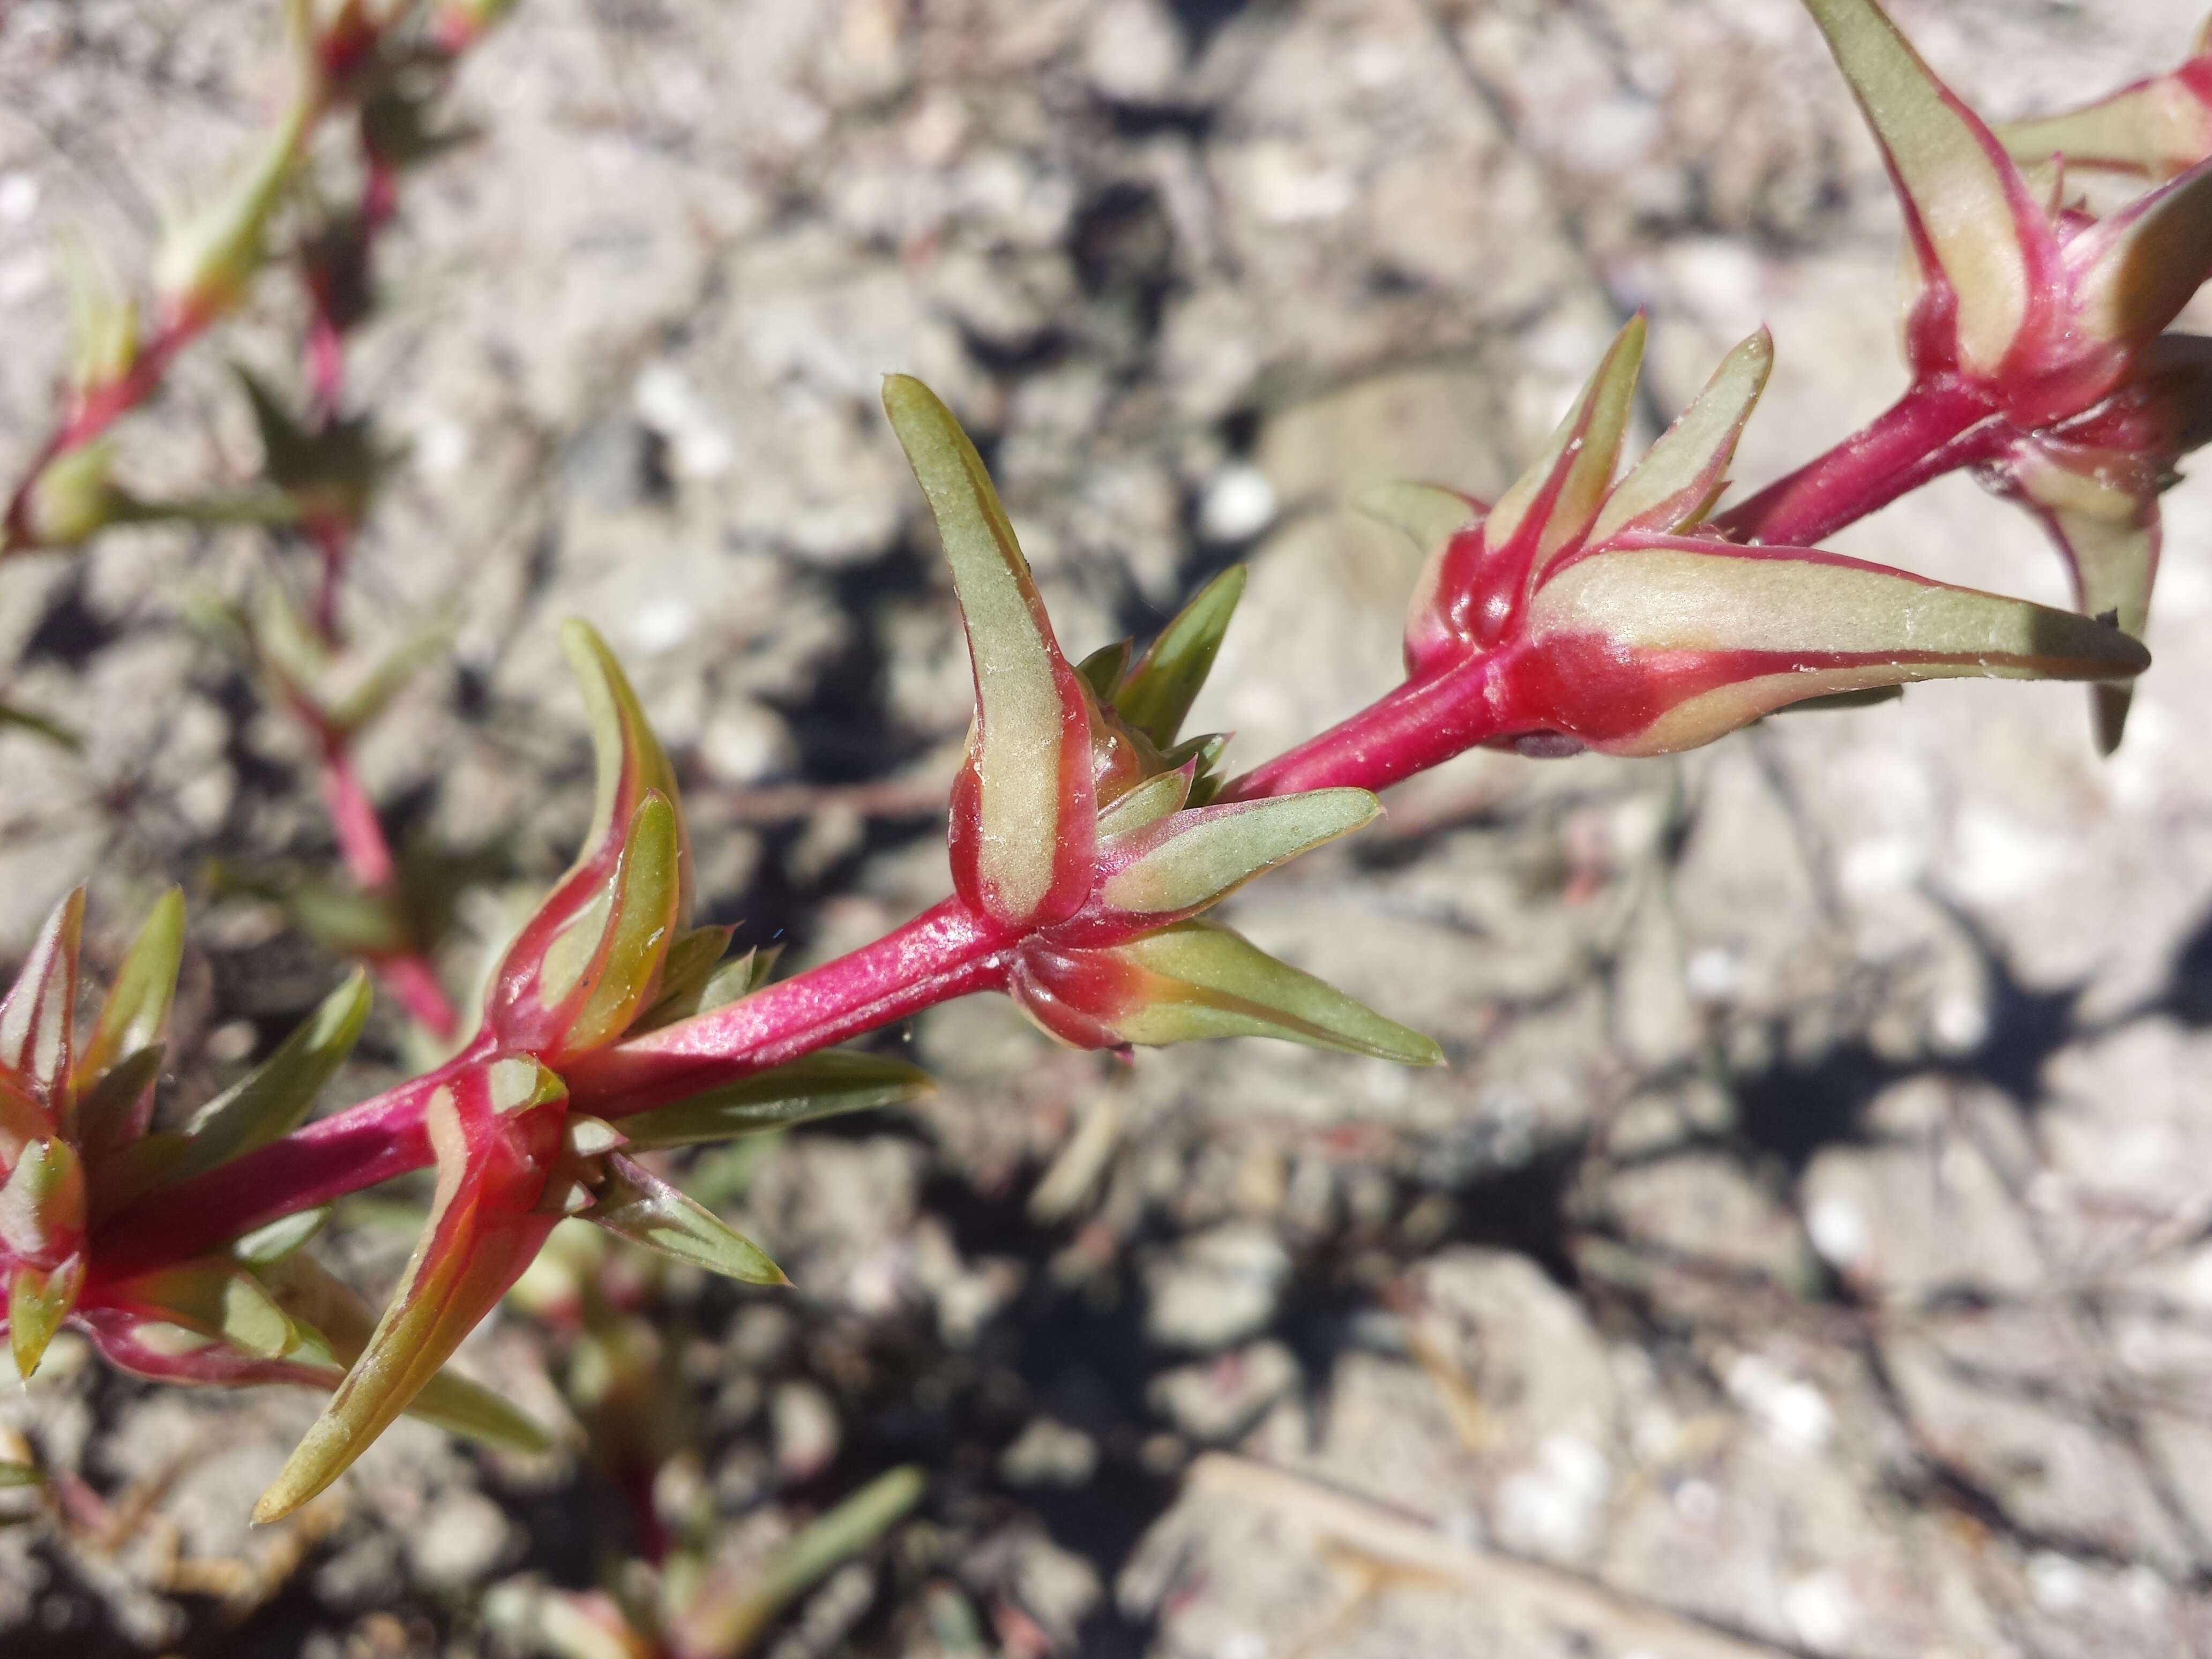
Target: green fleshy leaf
[(42, 1211), (38, 1018), (626, 968), (1210, 982), (1429, 516), (336, 914), (1861, 625), (1576, 466), (104, 320), (1968, 203), (1203, 754), (317, 1300), (372, 693), (217, 1298), (276, 1097), (109, 1111), (817, 1086), (1103, 670), (1155, 798), (691, 965), (20, 1474), (1205, 855), (1155, 696), (1674, 486), (2159, 129), (136, 1014), (487, 1133), (1033, 808), (536, 1618), (628, 760), (728, 1613), (38, 1301), (2156, 254), (207, 257), (637, 1205)]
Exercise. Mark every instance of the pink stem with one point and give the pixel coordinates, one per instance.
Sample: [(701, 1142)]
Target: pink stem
[(1891, 455), (942, 953), (353, 817), (1406, 731), (949, 952), (320, 1162), (325, 353), (414, 983), (369, 860)]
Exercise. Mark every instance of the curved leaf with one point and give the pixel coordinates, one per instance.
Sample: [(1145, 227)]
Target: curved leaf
[(818, 1085), (493, 1139), (1025, 812), (637, 1205), (276, 1097), (1154, 698), (1675, 484), (38, 1018), (1968, 210), (1197, 980), (1196, 858), (133, 1019), (1558, 498)]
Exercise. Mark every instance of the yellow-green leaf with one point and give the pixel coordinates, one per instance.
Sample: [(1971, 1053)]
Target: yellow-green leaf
[(818, 1085), (1674, 485), (1568, 480), (1964, 196), (637, 1205), (276, 1097), (1154, 698), (1204, 855), (1035, 810)]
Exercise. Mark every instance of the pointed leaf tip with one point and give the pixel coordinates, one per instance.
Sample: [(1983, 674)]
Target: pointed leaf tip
[(627, 758), (635, 1204), (1024, 809), (1155, 696), (38, 1018), (2153, 256), (38, 1301), (1674, 485), (492, 1149), (1199, 980), (1570, 479), (276, 1097), (134, 1020), (1964, 198)]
